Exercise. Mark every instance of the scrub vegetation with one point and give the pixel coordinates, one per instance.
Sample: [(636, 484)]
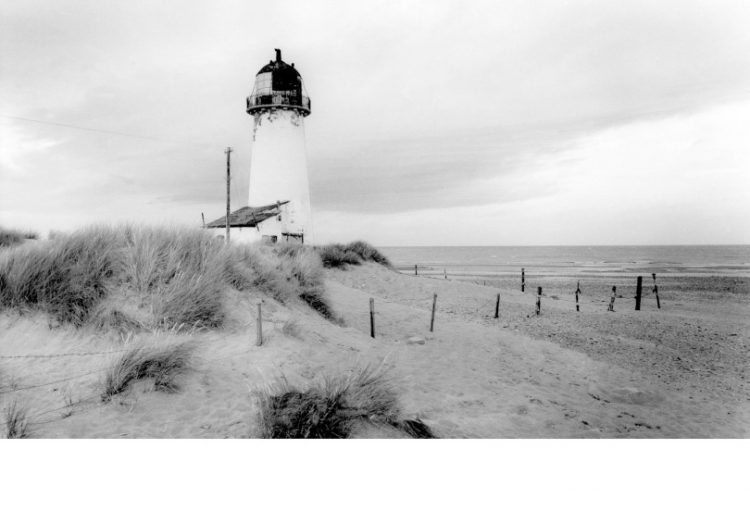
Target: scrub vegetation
[(337, 255), (332, 409), (16, 425), (131, 277), (11, 237), (161, 363)]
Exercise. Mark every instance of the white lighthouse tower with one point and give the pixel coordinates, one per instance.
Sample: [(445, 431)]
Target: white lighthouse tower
[(278, 165), (279, 199)]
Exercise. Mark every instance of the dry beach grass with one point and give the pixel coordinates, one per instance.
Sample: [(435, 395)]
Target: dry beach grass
[(160, 278), (11, 237), (334, 407)]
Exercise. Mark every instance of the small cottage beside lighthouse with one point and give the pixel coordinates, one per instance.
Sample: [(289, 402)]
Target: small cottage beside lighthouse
[(279, 196)]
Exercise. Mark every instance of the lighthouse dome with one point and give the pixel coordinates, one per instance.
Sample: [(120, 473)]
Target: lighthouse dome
[(278, 85)]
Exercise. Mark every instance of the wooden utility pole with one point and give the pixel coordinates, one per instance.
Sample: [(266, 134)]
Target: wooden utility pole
[(578, 292), (523, 280), (228, 152)]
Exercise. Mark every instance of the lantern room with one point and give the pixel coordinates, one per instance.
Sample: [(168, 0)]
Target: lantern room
[(278, 85)]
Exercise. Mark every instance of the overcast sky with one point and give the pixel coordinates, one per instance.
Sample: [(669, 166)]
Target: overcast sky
[(433, 123)]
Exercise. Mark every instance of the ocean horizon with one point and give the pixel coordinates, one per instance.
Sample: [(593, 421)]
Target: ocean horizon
[(698, 260)]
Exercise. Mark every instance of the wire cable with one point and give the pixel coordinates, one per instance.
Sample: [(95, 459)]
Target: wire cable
[(108, 132)]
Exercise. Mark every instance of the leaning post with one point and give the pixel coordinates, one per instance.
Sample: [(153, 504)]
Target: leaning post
[(497, 306), (656, 291), (432, 319)]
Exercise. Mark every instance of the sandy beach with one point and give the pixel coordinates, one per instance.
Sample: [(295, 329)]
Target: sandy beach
[(679, 371)]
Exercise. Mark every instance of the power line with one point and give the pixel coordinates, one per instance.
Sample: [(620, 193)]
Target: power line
[(107, 132), (57, 355)]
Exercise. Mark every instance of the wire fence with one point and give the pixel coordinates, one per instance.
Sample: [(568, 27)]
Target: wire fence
[(62, 355), (93, 399), (15, 389)]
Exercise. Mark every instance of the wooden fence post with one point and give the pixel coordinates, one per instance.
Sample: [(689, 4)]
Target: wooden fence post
[(497, 307), (415, 270), (611, 307), (523, 281), (372, 317), (638, 291), (445, 273), (538, 300), (578, 292), (432, 320), (259, 335), (656, 291)]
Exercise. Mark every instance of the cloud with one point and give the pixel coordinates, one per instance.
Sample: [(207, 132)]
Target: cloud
[(417, 111), (672, 180)]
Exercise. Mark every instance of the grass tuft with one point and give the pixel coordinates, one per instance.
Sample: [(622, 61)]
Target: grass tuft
[(16, 425), (337, 255), (65, 278), (9, 237), (156, 277), (12, 237), (368, 253), (415, 428), (162, 363), (332, 409), (117, 320)]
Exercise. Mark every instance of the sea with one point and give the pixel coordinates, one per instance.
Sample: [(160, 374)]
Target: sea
[(675, 260)]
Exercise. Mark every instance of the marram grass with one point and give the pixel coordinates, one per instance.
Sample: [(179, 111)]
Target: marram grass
[(166, 278), (334, 407)]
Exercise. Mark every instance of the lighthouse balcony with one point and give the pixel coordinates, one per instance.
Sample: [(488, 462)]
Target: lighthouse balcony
[(278, 99)]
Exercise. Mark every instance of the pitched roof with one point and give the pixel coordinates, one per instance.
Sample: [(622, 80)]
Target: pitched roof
[(248, 216)]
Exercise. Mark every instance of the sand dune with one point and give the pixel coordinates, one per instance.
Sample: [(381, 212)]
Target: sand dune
[(677, 372)]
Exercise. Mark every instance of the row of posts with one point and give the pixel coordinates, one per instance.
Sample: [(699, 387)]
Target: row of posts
[(638, 294), (578, 292), (638, 291), (538, 309)]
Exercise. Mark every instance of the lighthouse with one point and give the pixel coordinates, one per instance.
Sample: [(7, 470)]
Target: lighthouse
[(279, 195)]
